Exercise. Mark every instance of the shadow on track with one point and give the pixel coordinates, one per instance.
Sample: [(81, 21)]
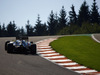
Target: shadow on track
[(24, 53)]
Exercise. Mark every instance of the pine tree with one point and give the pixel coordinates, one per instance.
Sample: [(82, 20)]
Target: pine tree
[(94, 13), (84, 13), (73, 16), (14, 28), (18, 32), (56, 24), (29, 29), (22, 31), (0, 30), (11, 29), (44, 29), (39, 27), (73, 20), (3, 30), (62, 18), (52, 24)]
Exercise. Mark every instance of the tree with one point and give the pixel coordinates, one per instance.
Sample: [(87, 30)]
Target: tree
[(22, 31), (14, 28), (56, 24), (18, 32), (95, 28), (94, 13), (86, 28), (29, 29), (64, 31), (73, 20), (52, 24), (3, 30), (73, 16), (40, 29), (38, 26), (62, 18), (0, 29), (11, 29), (44, 29), (84, 14)]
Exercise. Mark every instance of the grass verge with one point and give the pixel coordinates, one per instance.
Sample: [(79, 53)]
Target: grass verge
[(81, 49)]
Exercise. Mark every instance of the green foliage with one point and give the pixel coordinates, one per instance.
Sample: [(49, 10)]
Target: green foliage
[(3, 30), (82, 49), (44, 29), (84, 13), (62, 18), (73, 16), (11, 29), (90, 28), (96, 28), (94, 13), (73, 28), (29, 29), (40, 29), (64, 31), (22, 31), (52, 23), (86, 28)]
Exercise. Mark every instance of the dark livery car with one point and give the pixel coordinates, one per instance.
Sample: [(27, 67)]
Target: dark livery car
[(21, 44)]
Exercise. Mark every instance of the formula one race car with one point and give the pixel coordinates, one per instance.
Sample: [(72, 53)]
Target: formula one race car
[(21, 44)]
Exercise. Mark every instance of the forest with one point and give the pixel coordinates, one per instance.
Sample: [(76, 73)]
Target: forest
[(87, 21)]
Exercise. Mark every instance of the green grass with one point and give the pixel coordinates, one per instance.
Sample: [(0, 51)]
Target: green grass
[(81, 49)]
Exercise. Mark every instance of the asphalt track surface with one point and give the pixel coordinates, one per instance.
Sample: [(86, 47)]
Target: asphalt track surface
[(21, 64), (97, 36)]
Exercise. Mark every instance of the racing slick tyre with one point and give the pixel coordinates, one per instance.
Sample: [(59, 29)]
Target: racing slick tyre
[(33, 49), (10, 48), (6, 46)]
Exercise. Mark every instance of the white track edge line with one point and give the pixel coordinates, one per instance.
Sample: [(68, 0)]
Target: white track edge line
[(86, 71), (78, 67)]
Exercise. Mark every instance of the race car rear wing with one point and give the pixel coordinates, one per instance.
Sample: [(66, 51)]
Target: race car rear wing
[(22, 38)]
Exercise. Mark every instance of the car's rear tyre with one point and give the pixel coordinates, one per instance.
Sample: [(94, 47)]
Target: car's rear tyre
[(10, 48), (6, 46), (33, 49)]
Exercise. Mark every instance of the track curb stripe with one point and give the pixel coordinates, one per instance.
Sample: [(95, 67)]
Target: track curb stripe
[(48, 53)]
